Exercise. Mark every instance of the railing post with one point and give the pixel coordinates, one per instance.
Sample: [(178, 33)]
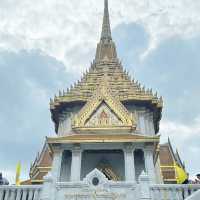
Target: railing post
[(48, 190), (144, 182), (1, 194), (7, 191), (30, 194), (36, 195), (19, 193), (24, 194), (195, 195), (172, 194), (186, 192), (153, 192), (13, 194)]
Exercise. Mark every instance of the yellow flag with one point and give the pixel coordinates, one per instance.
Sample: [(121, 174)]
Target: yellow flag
[(18, 171), (181, 174)]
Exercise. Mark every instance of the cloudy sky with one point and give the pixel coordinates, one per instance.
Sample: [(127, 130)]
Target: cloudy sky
[(46, 45)]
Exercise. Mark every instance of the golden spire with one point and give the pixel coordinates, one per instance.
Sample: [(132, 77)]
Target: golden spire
[(106, 31), (106, 50)]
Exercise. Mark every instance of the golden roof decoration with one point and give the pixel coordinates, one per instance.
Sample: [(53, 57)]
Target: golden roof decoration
[(103, 94), (119, 81), (101, 138)]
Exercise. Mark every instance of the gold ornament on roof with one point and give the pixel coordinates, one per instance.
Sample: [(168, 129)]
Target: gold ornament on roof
[(103, 95)]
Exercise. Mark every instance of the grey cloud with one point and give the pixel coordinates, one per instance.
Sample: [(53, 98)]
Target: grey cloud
[(27, 81), (131, 40), (172, 69), (38, 24)]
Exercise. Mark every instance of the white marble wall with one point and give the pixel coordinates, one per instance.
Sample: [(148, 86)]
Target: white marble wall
[(64, 127), (144, 120)]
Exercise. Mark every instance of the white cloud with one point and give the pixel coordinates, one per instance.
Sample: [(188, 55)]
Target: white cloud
[(56, 27), (9, 175), (177, 130)]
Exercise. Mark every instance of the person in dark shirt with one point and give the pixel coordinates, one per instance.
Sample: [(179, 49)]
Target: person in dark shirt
[(3, 181)]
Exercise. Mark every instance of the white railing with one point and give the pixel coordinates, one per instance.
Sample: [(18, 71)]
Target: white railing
[(20, 192), (194, 196), (172, 191)]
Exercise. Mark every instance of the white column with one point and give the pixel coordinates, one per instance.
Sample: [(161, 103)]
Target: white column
[(138, 120), (142, 122), (76, 164), (62, 127), (146, 123), (129, 163), (152, 124), (56, 166), (149, 163)]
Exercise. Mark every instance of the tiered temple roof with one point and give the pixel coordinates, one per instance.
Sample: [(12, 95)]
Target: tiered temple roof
[(122, 86)]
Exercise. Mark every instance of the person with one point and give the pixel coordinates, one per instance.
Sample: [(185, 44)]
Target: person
[(197, 180), (3, 181), (187, 181)]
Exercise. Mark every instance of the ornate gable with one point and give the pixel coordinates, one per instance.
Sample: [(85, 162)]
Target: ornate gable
[(103, 117), (103, 112)]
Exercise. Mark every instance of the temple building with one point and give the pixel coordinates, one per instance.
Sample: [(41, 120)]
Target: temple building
[(106, 145), (105, 122), (172, 168)]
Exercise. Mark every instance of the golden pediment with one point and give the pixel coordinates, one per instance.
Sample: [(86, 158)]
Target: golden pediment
[(103, 111)]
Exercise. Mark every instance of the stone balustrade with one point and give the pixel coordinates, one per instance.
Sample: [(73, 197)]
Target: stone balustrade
[(172, 191), (157, 192), (20, 192)]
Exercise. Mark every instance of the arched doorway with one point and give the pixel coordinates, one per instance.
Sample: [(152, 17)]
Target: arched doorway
[(65, 173), (139, 162), (109, 162)]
